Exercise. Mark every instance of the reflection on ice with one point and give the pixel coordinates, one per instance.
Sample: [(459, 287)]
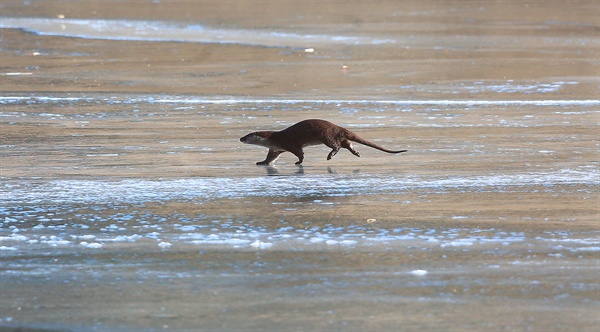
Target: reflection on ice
[(141, 190)]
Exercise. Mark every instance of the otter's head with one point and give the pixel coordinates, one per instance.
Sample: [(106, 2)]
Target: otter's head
[(257, 138)]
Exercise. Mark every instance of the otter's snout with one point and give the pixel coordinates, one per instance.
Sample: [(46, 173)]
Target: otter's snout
[(255, 139)]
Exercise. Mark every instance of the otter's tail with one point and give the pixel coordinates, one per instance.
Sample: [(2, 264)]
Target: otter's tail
[(357, 139)]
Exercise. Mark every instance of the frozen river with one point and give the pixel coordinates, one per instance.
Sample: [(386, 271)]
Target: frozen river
[(127, 201)]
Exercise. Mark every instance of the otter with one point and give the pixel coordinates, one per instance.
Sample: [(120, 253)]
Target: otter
[(306, 133)]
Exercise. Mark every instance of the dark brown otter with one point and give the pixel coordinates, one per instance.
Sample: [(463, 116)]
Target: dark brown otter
[(306, 133)]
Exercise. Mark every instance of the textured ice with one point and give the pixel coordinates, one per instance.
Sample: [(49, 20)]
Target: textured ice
[(164, 31), (93, 245), (142, 190), (261, 245), (418, 273), (511, 87), (190, 100), (7, 248), (204, 231), (99, 213)]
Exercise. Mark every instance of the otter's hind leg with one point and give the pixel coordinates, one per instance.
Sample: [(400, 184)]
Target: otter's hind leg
[(300, 154), (348, 145), (344, 144), (333, 145), (271, 157)]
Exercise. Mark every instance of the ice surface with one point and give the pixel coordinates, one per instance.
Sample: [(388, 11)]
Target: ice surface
[(190, 100), (164, 31), (142, 190), (418, 273)]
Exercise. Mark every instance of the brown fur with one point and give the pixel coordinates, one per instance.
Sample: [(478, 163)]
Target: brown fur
[(306, 133)]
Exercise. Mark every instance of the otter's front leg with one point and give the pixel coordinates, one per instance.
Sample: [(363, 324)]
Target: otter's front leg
[(332, 153), (271, 157)]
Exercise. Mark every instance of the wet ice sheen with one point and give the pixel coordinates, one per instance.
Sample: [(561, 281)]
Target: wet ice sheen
[(142, 190)]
